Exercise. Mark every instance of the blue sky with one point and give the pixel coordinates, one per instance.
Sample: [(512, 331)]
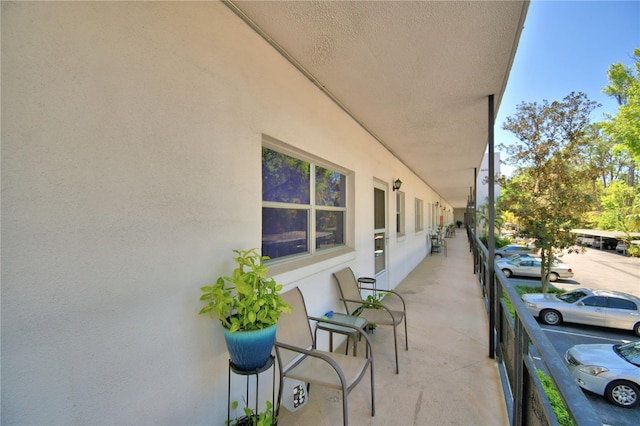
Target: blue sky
[(567, 46)]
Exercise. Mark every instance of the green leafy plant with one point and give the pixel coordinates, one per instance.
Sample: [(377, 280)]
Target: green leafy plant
[(557, 404), (550, 389), (264, 418), (371, 302), (248, 299), (524, 289)]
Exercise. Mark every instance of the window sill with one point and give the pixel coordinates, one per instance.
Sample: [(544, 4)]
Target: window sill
[(296, 269)]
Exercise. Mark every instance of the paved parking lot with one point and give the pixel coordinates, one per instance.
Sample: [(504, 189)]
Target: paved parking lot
[(601, 269), (564, 336)]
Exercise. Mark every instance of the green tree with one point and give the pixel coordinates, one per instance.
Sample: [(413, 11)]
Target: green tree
[(603, 158), (624, 127), (483, 219), (547, 191), (620, 203), (508, 217)]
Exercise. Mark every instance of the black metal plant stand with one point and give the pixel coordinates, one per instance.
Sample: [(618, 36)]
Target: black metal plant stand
[(372, 283), (368, 281), (248, 374)]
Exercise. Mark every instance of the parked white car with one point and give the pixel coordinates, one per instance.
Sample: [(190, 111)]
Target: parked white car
[(609, 370), (603, 308), (531, 267), (585, 241)]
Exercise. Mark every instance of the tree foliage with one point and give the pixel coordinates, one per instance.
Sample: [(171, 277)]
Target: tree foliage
[(547, 191), (603, 158), (482, 215), (624, 86), (621, 209)]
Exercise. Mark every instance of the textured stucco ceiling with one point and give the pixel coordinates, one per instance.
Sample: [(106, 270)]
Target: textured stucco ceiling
[(417, 75)]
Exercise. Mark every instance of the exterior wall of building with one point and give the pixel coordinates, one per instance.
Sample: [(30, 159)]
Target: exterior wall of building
[(482, 189), (482, 183), (131, 167)]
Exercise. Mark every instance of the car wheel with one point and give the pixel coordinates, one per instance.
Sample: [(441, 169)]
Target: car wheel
[(553, 277), (507, 273), (623, 393), (636, 329), (550, 317), (498, 256)]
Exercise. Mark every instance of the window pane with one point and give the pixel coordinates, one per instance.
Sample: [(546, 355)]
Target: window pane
[(379, 253), (284, 232), (398, 214), (330, 188), (419, 215), (616, 303), (284, 179), (329, 229), (598, 301), (378, 209)]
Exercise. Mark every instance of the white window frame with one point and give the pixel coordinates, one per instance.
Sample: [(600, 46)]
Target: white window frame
[(400, 214), (311, 208), (419, 215)]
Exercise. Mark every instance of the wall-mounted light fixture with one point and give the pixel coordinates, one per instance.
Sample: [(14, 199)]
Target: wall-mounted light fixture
[(397, 184), (437, 203)]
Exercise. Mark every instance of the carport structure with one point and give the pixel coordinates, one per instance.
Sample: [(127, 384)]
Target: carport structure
[(600, 234)]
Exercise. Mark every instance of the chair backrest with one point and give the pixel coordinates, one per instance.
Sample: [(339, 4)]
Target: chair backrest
[(348, 286), (293, 328)]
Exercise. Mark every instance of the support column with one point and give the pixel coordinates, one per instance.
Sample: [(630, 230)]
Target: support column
[(492, 230)]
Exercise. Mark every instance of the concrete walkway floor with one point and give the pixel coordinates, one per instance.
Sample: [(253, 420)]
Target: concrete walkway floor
[(446, 377)]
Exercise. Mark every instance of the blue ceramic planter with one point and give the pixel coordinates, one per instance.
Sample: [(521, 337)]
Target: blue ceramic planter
[(250, 350)]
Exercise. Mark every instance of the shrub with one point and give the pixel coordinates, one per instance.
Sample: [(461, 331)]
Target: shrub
[(524, 289), (634, 250), (557, 404)]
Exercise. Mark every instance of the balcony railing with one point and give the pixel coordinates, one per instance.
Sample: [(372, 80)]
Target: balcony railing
[(512, 341)]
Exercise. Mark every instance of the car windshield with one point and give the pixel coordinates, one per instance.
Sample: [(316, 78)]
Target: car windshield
[(572, 296), (629, 352), (520, 257)]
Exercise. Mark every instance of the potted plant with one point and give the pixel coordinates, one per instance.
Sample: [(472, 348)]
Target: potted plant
[(248, 305), (251, 418)]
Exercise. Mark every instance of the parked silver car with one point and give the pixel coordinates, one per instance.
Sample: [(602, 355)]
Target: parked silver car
[(527, 255), (531, 267), (513, 249), (602, 308), (621, 247), (609, 370)]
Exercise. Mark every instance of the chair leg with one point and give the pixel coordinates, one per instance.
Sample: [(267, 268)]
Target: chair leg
[(345, 408), (406, 335), (280, 395), (373, 397), (395, 344)]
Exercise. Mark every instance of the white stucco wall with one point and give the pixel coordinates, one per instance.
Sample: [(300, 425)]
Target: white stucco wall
[(131, 167), (482, 184)]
